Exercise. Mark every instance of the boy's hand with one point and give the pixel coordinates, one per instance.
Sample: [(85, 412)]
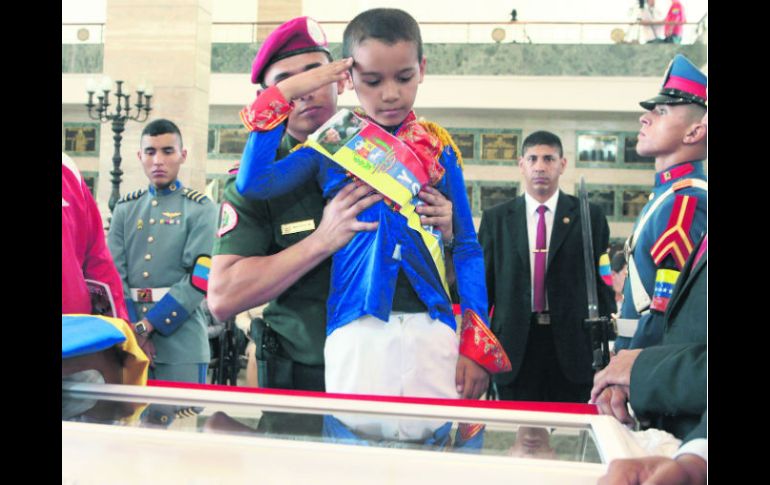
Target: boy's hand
[(306, 82), (437, 212), (471, 379)]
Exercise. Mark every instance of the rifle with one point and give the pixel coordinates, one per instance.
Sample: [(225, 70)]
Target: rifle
[(598, 327)]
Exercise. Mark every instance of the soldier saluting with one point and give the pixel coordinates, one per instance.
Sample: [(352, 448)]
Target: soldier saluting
[(155, 236)]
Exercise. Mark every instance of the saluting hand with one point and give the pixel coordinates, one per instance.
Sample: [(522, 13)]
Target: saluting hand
[(306, 82)]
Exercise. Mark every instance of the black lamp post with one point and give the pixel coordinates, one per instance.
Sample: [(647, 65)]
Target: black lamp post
[(122, 113)]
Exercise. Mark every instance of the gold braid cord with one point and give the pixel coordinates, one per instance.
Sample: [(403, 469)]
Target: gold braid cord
[(444, 137)]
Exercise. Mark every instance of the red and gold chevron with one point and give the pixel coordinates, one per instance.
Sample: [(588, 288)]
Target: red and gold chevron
[(676, 240)]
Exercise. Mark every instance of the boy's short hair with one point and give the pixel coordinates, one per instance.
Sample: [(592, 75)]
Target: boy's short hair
[(618, 262), (388, 25), (162, 126), (542, 138)]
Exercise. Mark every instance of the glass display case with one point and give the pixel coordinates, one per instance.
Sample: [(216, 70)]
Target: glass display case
[(216, 434)]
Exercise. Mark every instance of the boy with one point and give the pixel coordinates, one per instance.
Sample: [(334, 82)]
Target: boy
[(387, 275)]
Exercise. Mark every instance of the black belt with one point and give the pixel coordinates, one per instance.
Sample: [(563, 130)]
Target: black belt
[(541, 318)]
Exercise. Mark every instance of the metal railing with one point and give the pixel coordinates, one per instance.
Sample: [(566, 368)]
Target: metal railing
[(466, 32), (432, 32)]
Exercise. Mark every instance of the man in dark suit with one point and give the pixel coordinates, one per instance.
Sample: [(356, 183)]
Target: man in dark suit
[(666, 383), (536, 282)]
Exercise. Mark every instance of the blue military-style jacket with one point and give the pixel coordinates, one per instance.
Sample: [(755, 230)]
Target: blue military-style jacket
[(364, 272), (662, 247)]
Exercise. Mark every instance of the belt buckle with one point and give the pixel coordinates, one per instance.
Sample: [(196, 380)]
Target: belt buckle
[(144, 295), (543, 318)]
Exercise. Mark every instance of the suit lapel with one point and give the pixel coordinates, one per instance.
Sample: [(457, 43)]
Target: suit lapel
[(517, 223), (563, 220), (688, 274)]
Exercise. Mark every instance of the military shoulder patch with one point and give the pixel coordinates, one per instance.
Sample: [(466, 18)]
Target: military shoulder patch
[(675, 240), (228, 219), (199, 279), (132, 195), (192, 194), (665, 279), (605, 269)]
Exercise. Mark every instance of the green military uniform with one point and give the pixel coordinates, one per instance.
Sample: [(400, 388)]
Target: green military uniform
[(155, 236), (261, 228)]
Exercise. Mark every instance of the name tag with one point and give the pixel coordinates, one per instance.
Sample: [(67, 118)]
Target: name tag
[(299, 226)]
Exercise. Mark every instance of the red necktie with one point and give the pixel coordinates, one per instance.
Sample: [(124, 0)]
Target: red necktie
[(540, 257)]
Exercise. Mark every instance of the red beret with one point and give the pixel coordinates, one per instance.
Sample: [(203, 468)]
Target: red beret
[(297, 36)]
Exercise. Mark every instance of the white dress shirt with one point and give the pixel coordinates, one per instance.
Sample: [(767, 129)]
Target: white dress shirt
[(532, 219)]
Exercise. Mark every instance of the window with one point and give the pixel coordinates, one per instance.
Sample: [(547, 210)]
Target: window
[(226, 141), (633, 202), (630, 151), (604, 198), (81, 139), (621, 203), (492, 195), (465, 142), (598, 149), (90, 179), (487, 146), (484, 194), (499, 146)]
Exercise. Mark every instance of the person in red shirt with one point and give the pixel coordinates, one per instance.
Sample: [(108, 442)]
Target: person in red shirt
[(674, 21), (84, 252)]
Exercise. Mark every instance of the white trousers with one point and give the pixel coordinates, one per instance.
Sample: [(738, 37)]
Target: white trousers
[(409, 355)]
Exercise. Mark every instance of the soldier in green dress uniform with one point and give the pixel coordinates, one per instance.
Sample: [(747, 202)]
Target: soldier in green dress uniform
[(155, 236)]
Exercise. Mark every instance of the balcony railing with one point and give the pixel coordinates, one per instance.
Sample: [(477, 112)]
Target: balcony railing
[(433, 32)]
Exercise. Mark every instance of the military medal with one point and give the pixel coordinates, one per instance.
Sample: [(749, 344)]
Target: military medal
[(139, 225)]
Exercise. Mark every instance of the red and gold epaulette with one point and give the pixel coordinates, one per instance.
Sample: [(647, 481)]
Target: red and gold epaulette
[(478, 343), (675, 239), (269, 110), (444, 137), (426, 146)]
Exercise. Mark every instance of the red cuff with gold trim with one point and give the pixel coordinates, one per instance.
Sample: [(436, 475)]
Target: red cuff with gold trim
[(269, 110), (478, 343)]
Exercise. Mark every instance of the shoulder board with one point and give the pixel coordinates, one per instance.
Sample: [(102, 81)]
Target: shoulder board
[(687, 183), (444, 137), (192, 194), (132, 195)]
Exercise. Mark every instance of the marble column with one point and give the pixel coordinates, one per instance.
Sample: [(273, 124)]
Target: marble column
[(275, 11), (165, 43)]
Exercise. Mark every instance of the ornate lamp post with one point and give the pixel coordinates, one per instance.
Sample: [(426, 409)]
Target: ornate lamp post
[(123, 112)]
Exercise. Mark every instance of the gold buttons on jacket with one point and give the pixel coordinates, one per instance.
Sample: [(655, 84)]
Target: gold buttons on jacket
[(146, 274), (144, 309), (168, 321), (150, 239), (147, 257), (154, 203), (152, 221), (173, 314)]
